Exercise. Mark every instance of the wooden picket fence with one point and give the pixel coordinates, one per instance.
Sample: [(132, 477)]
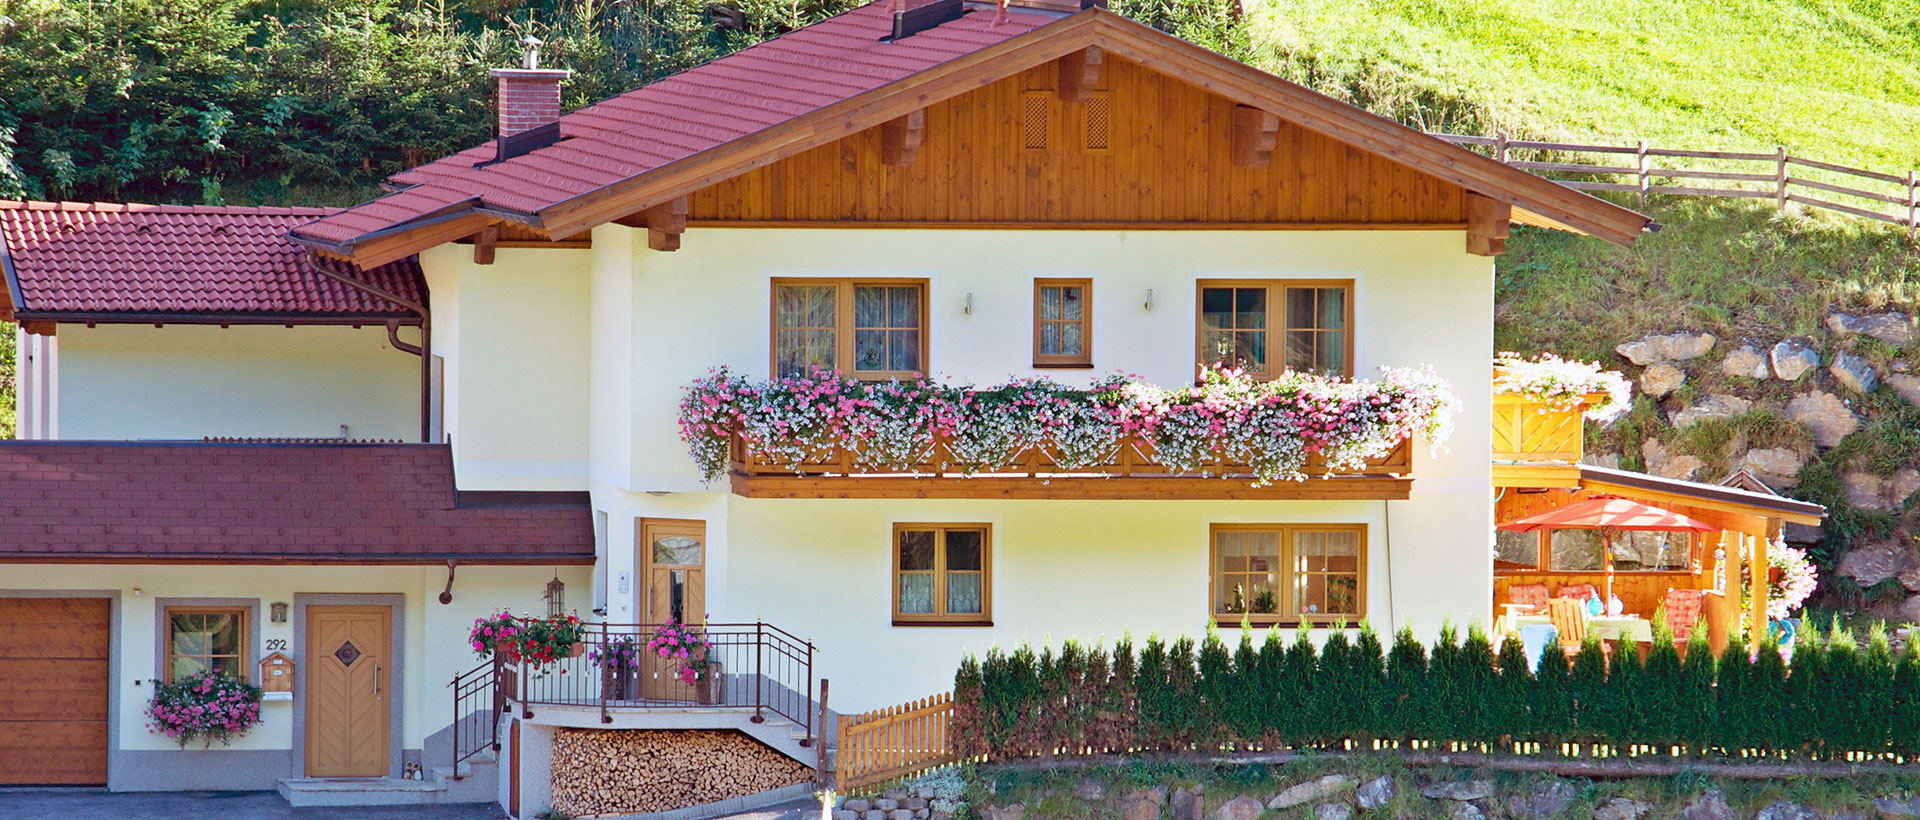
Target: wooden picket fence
[(881, 745), (1780, 176)]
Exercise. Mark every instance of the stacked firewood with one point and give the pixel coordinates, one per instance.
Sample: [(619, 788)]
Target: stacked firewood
[(611, 772)]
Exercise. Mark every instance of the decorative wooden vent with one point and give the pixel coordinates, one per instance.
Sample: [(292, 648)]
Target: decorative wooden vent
[(1098, 123), (1036, 109)]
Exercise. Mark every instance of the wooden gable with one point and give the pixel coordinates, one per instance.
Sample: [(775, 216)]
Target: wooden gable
[(1141, 149)]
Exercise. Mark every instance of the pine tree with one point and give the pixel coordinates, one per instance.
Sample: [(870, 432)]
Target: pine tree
[(1476, 675), (1587, 681), (1733, 728), (1447, 708), (1123, 698), (1697, 709), (1183, 719), (1552, 700), (1771, 718), (1804, 693), (1838, 694), (1214, 693), (969, 734), (1246, 695), (1406, 697), (1295, 692), (1368, 682), (1332, 698), (1903, 723), (1275, 713), (1874, 704), (1511, 697), (1156, 701), (1622, 719), (1663, 689)]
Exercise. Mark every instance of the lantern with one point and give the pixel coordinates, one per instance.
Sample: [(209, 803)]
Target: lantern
[(556, 597), (279, 612)]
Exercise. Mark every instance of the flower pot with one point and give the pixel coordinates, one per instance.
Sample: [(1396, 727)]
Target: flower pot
[(579, 648), (622, 684), (711, 688)]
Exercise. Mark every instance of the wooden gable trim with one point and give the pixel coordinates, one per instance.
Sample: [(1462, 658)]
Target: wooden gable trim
[(1488, 222), (1255, 134), (663, 223), (483, 244), (900, 138), (1535, 200)]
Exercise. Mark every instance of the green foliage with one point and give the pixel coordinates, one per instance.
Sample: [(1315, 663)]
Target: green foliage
[(8, 381), (1838, 700)]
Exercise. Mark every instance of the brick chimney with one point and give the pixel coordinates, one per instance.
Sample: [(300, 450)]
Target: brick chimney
[(529, 96)]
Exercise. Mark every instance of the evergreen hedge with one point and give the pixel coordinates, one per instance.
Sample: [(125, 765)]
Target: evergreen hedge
[(1838, 701)]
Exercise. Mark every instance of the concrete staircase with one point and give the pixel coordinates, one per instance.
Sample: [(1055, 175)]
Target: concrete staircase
[(476, 781)]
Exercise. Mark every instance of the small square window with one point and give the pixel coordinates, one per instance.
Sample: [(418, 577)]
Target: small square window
[(1063, 323), (942, 574)]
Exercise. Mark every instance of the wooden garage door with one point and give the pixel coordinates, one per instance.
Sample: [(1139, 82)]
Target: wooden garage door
[(53, 690)]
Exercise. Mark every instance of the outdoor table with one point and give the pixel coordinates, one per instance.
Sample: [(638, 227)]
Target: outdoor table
[(1625, 629)]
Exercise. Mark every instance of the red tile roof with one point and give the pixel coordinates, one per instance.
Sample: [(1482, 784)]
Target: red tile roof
[(70, 258), (388, 503), (680, 116)]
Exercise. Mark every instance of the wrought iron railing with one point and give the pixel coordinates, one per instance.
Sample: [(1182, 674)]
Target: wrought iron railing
[(478, 701), (756, 666)]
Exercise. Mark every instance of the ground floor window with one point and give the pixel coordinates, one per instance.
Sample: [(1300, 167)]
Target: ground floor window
[(1583, 550), (1288, 573), (942, 574), (206, 638)]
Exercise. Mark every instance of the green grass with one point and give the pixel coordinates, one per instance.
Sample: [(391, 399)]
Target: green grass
[(1837, 80)]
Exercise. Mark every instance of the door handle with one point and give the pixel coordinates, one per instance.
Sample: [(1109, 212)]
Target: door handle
[(376, 679)]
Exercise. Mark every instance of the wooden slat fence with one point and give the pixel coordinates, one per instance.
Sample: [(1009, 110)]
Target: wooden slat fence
[(878, 746), (1780, 176)]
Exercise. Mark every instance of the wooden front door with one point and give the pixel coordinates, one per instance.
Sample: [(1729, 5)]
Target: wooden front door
[(53, 690), (349, 690), (674, 552)]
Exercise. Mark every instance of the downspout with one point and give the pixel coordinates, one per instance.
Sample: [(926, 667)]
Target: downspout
[(424, 350)]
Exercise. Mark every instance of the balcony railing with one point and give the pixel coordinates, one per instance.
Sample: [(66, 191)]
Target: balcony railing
[(1132, 472), (1525, 430), (757, 667)]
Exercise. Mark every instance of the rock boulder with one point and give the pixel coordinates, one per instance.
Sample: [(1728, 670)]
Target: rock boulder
[(1710, 805), (1460, 790), (1779, 467), (1239, 808), (1746, 362), (1716, 406), (1792, 358), (1825, 415), (1892, 328), (1661, 379), (1666, 464), (1869, 564), (1375, 793), (1332, 811), (1547, 799), (1854, 373), (1671, 347), (1621, 808), (1786, 810), (1312, 791), (1906, 386)]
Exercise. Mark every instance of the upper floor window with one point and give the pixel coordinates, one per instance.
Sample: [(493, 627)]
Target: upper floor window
[(865, 328), (1062, 322), (1268, 326)]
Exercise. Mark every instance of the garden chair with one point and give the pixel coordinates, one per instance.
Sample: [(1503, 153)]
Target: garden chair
[(1578, 592), (1532, 596), (1683, 612), (1570, 620)]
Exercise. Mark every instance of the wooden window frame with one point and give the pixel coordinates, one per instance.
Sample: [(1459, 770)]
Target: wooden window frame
[(1276, 304), (982, 618), (843, 329), (1084, 359), (1286, 616), (1543, 558), (244, 616)]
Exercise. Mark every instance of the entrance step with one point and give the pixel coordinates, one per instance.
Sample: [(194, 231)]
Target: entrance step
[(439, 787)]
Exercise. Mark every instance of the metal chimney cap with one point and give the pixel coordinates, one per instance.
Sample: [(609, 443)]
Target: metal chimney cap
[(531, 58)]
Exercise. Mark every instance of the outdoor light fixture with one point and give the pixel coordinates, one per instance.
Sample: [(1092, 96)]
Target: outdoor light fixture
[(279, 612), (556, 597), (1149, 304)]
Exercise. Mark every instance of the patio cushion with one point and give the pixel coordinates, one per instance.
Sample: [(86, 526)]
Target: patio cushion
[(1532, 595), (1579, 592), (1683, 611)]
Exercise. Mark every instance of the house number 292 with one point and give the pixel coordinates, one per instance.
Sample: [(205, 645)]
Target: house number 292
[(276, 644)]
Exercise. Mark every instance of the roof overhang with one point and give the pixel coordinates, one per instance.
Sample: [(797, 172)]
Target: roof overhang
[(1534, 200), (1707, 496)]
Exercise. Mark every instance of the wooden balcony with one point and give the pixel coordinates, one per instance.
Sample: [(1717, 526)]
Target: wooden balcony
[(1537, 445), (1132, 473)]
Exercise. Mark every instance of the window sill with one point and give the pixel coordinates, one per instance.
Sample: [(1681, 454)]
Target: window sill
[(898, 622), (1353, 623), (1063, 365)]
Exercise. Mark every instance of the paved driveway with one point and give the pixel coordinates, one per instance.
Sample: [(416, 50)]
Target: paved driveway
[(94, 804)]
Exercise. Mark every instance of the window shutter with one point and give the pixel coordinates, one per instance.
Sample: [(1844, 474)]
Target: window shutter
[(1036, 109), (1098, 125)]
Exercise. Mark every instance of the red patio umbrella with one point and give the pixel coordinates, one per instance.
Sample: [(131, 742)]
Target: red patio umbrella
[(1609, 514)]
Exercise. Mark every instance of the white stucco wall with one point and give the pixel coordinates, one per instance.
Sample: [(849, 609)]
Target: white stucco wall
[(1061, 568), (434, 645), (515, 338), (194, 381)]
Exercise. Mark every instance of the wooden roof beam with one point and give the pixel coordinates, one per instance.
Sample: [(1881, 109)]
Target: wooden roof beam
[(900, 138), (1488, 222), (1080, 73), (1255, 134), (664, 223), (483, 244)]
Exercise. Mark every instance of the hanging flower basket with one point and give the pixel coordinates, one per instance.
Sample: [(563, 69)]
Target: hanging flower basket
[(537, 642)]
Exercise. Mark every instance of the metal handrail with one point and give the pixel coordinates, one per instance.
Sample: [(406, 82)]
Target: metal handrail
[(478, 701), (756, 666)]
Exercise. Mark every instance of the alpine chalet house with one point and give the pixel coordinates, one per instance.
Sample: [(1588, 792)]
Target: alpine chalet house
[(603, 336)]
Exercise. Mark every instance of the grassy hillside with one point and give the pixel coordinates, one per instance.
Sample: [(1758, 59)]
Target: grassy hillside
[(1834, 79)]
